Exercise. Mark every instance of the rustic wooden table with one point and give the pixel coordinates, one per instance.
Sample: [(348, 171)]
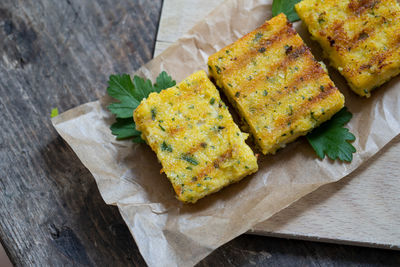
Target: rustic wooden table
[(59, 54)]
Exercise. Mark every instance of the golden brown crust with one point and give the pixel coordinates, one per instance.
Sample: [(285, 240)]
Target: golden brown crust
[(193, 133), (361, 38), (271, 77)]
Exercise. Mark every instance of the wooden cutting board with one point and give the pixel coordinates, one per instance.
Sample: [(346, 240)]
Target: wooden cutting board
[(361, 209)]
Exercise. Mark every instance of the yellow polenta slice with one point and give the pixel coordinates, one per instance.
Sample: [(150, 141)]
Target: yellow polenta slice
[(273, 80), (192, 132), (361, 38)]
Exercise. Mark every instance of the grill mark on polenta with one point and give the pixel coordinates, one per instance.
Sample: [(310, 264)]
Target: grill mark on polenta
[(173, 131), (360, 6), (352, 44), (363, 36), (215, 164), (245, 59), (313, 73), (197, 147), (378, 60), (360, 38), (263, 28), (338, 38), (305, 107), (249, 86), (298, 52)]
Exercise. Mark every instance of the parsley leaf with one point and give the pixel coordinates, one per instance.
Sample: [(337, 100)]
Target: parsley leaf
[(143, 88), (121, 87), (163, 81), (54, 112), (130, 94), (332, 139), (124, 128), (286, 7)]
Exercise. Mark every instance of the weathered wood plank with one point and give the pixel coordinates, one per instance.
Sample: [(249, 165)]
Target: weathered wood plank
[(267, 251), (59, 54)]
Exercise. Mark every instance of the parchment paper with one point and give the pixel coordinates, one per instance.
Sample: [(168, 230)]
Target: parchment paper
[(169, 233)]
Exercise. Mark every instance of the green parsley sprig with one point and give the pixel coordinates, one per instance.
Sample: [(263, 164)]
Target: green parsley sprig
[(129, 95), (286, 7), (332, 139)]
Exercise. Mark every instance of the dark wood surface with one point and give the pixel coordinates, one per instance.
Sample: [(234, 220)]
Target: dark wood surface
[(59, 54)]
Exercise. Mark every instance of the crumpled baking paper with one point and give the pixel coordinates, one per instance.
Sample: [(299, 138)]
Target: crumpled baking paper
[(169, 233)]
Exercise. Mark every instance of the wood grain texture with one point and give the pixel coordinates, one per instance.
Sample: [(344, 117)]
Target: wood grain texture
[(362, 209), (177, 17), (59, 54), (249, 250)]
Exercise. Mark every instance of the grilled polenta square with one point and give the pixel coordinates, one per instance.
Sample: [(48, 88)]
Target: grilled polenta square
[(193, 134), (360, 37), (276, 85)]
